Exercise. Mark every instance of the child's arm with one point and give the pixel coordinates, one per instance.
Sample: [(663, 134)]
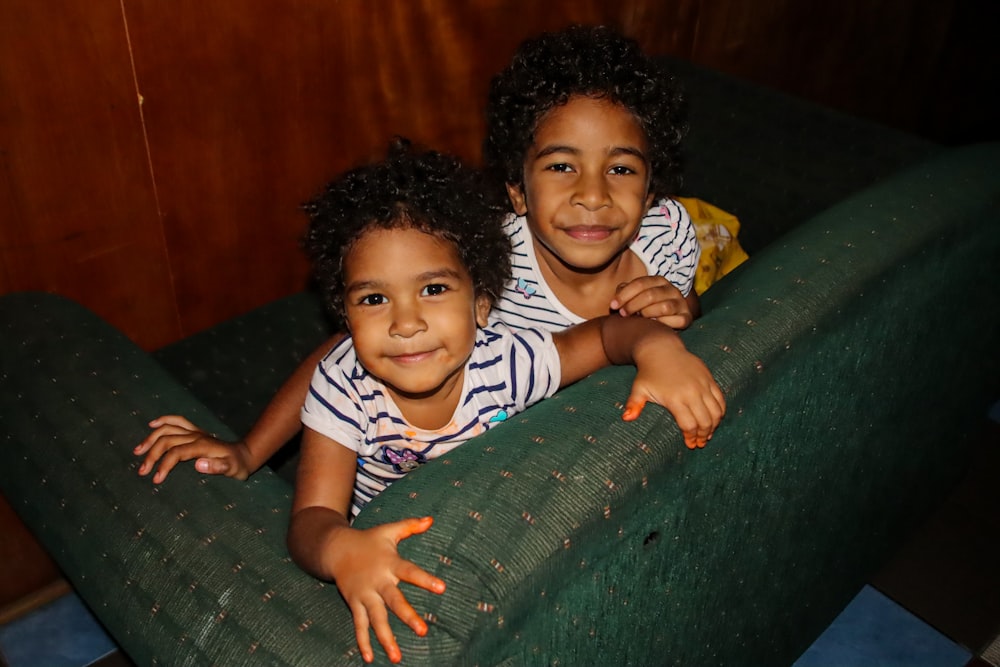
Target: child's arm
[(175, 439), (666, 373), (363, 563), (657, 298)]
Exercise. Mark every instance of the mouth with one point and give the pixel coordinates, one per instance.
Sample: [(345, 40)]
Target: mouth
[(589, 234), (411, 357)]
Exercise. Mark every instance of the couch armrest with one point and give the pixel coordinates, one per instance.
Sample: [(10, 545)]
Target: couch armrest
[(194, 571)]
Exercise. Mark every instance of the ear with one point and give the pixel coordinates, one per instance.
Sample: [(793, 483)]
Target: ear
[(483, 307), (517, 198), (650, 198)]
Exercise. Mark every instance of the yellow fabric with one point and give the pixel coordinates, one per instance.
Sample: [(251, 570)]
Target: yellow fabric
[(717, 233)]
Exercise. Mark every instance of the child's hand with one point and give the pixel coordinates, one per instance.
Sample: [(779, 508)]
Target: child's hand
[(175, 439), (679, 381), (367, 570), (656, 298)]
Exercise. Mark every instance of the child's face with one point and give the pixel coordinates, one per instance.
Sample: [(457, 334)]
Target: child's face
[(586, 182), (412, 310)]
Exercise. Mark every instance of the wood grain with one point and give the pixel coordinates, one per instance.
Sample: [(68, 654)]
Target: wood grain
[(154, 156)]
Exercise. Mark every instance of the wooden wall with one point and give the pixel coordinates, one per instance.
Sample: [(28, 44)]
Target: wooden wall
[(153, 154)]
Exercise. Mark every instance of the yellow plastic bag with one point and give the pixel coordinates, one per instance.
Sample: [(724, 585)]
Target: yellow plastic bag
[(717, 231)]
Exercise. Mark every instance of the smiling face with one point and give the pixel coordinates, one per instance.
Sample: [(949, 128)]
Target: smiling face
[(586, 183), (412, 311)]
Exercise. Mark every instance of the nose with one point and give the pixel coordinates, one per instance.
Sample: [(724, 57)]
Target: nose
[(407, 319), (592, 192)]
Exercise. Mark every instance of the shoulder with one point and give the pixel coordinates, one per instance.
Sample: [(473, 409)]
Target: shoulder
[(497, 342), (516, 228), (498, 335), (666, 212)]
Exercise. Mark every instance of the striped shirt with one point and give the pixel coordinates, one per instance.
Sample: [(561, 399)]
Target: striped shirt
[(507, 372), (666, 243)]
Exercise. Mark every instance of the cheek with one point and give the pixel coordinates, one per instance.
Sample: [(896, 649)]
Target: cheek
[(364, 333)]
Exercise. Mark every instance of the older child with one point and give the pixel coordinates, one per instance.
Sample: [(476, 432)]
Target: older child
[(406, 252), (583, 132)]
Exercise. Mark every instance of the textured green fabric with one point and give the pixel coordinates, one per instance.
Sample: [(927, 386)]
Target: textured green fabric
[(192, 572), (853, 353)]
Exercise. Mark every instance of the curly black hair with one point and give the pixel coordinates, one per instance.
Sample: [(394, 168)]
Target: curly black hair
[(592, 61), (429, 191)]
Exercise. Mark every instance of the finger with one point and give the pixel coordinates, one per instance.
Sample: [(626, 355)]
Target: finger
[(627, 291), (173, 420), (720, 400), (632, 304), (213, 466), (379, 619), (360, 615), (171, 459), (688, 425), (409, 527), (401, 607), (160, 435), (666, 303), (162, 444), (677, 322), (633, 408), (413, 574)]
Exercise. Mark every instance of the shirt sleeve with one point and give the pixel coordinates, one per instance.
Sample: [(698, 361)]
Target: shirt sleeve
[(333, 407), (690, 249), (534, 368), (668, 244)]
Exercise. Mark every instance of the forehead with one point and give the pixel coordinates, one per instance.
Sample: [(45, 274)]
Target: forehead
[(386, 255), (590, 121)]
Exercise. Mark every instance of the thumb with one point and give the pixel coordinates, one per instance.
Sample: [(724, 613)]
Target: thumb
[(410, 527), (633, 408), (212, 466)]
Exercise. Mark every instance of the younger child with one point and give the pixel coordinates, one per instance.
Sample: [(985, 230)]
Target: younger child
[(411, 254), (583, 132)]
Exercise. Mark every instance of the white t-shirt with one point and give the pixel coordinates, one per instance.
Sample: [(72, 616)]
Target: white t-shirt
[(507, 372), (666, 242)]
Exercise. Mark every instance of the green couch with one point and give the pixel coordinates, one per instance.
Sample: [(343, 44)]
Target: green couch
[(856, 349)]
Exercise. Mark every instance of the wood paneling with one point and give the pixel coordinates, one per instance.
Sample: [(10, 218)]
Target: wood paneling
[(171, 215), (78, 212), (248, 114)]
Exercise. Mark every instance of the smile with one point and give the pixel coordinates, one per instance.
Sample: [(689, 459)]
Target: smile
[(589, 234), (412, 357)]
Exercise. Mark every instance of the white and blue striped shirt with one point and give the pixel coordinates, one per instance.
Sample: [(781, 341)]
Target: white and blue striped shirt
[(666, 243), (507, 372)]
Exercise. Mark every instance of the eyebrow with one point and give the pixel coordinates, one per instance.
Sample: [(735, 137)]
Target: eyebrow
[(424, 277), (614, 152)]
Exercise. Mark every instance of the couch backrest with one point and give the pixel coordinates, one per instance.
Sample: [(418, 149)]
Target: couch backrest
[(854, 353)]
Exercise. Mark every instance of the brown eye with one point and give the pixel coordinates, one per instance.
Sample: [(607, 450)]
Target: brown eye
[(372, 300), (434, 290)]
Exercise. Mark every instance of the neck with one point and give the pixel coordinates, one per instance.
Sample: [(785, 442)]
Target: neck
[(587, 292), (430, 410)]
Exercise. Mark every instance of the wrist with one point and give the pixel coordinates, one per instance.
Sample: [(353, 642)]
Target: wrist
[(626, 339)]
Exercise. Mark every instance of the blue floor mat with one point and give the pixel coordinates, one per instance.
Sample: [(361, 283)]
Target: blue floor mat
[(63, 633), (874, 631)]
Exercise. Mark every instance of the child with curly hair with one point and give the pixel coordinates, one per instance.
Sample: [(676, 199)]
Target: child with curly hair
[(584, 130), (410, 254), (583, 134)]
